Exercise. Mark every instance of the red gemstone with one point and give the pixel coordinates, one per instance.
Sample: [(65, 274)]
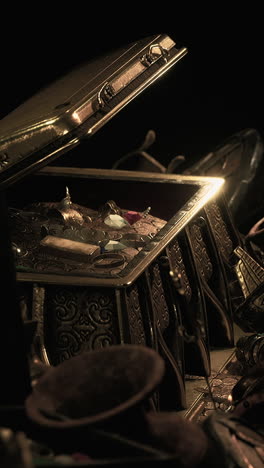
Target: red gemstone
[(132, 216)]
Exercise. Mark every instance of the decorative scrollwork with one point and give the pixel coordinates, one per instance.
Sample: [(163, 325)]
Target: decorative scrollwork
[(79, 319), (222, 238), (204, 264), (102, 341), (99, 309), (159, 301), (66, 307), (136, 327), (68, 342)]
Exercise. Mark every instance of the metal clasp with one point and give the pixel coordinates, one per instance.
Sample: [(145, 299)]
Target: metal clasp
[(4, 160), (152, 56), (105, 94), (177, 281)]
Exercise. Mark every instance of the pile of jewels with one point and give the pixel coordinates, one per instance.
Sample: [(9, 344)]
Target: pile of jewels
[(64, 236)]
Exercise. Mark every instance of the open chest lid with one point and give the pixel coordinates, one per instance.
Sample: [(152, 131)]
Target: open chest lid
[(76, 106)]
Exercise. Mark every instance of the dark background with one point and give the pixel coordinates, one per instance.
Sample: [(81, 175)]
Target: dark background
[(213, 92)]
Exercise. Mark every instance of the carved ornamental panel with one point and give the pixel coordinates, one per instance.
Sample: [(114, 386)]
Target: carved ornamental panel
[(79, 319), (135, 321), (158, 296), (222, 238), (177, 264), (204, 263)]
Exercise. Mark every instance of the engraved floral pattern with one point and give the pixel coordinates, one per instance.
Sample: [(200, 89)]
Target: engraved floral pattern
[(136, 326), (204, 264), (159, 301), (79, 319), (222, 238)]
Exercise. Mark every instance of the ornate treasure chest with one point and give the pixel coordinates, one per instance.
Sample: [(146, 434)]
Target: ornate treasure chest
[(106, 257)]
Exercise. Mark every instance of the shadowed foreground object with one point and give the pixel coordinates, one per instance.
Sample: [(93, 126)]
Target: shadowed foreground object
[(186, 440), (99, 403), (105, 386), (110, 389), (15, 381)]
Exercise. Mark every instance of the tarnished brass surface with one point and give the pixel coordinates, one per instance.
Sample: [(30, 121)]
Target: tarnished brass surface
[(200, 190), (79, 104)]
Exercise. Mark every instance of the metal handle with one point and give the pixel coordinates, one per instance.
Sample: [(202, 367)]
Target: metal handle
[(105, 94), (151, 56)]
